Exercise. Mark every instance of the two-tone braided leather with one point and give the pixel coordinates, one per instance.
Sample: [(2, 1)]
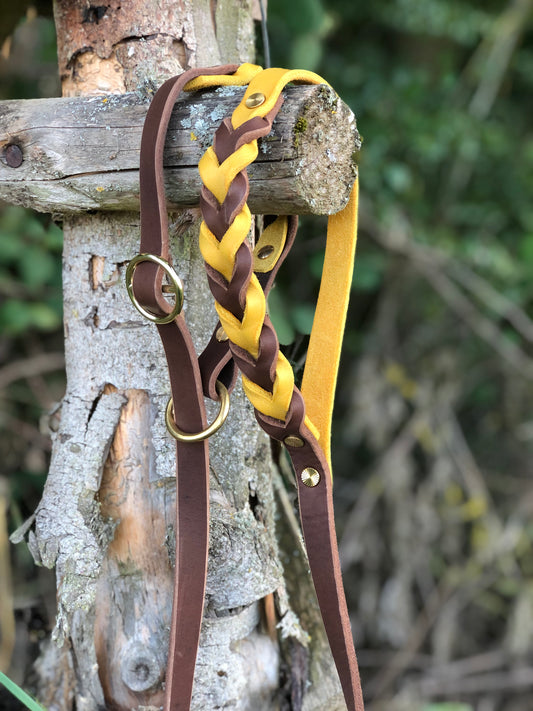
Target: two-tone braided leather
[(240, 299), (268, 379)]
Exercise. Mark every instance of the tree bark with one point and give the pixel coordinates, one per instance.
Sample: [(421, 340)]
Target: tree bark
[(106, 518), (73, 155)]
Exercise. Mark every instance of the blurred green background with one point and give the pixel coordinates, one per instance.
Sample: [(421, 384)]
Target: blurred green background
[(434, 419)]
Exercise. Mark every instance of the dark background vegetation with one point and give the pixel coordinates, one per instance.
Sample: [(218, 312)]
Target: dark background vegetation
[(434, 419)]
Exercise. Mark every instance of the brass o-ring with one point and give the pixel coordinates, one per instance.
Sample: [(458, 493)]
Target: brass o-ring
[(210, 430), (176, 287)]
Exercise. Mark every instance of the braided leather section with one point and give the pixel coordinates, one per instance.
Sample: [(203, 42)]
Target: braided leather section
[(268, 379), (267, 376)]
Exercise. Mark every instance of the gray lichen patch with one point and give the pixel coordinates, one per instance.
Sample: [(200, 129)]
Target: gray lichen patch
[(330, 97), (202, 122), (235, 92), (290, 626)]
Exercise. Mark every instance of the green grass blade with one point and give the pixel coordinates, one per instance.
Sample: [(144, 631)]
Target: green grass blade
[(20, 694)]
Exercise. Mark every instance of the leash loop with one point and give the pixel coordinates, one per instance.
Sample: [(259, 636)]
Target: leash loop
[(175, 287), (281, 409), (208, 431), (245, 338)]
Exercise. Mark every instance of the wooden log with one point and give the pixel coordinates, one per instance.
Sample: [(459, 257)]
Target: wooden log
[(78, 154)]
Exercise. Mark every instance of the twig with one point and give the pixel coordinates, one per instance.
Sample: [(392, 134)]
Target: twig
[(476, 664), (443, 594), (478, 323), (400, 241), (379, 686), (30, 367), (501, 305), (7, 617), (480, 287), (359, 517), (461, 454), (288, 512), (29, 432), (493, 57), (513, 679), (471, 665), (496, 58), (370, 658)]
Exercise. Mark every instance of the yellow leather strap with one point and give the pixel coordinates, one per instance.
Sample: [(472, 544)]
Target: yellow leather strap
[(269, 247), (270, 83), (322, 363), (244, 74)]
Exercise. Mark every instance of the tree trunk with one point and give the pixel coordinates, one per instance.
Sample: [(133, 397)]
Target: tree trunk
[(106, 518)]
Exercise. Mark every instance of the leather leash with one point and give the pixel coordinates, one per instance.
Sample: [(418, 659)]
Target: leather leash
[(240, 279)]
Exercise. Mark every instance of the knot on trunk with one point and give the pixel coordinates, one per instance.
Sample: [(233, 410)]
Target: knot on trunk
[(141, 668)]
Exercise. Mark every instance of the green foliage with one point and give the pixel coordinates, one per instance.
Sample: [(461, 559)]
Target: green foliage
[(30, 273), (301, 29), (28, 66), (434, 441)]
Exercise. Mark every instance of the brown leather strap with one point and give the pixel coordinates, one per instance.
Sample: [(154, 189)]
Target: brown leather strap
[(318, 525), (192, 515), (189, 381), (192, 467), (154, 220), (187, 386)]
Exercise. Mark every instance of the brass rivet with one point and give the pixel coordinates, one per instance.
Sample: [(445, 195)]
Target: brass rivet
[(221, 335), (293, 441), (255, 100), (310, 476), (265, 251)]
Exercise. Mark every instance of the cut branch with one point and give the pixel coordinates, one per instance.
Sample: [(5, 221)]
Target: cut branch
[(82, 154)]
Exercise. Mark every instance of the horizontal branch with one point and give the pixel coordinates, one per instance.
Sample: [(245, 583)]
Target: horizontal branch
[(79, 154)]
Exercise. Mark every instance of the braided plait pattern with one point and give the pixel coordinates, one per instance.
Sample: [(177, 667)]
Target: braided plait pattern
[(268, 379)]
